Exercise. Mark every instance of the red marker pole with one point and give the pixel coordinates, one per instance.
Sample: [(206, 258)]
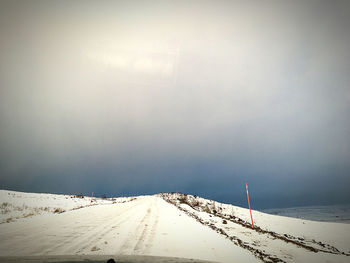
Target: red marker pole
[(251, 217), (92, 196)]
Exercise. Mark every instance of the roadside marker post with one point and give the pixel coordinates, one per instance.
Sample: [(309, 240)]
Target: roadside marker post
[(251, 217), (92, 196)]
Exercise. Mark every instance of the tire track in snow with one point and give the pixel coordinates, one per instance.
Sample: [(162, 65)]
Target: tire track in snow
[(40, 231), (95, 236), (140, 239), (137, 232), (145, 241), (82, 240), (153, 230)]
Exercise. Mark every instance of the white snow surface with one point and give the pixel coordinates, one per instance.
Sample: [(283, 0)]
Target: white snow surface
[(15, 205), (145, 226), (336, 234), (333, 234), (149, 225)]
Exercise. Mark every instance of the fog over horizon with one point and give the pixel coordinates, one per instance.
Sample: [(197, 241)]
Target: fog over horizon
[(140, 97)]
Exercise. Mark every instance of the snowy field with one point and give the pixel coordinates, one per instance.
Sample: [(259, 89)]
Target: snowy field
[(16, 205), (164, 225), (334, 213)]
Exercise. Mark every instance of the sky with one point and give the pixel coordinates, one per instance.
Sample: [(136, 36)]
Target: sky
[(141, 97)]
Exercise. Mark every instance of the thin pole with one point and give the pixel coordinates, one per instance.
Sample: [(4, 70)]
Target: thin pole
[(251, 217)]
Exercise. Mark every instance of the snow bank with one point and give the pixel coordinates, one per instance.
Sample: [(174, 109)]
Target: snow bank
[(282, 239)]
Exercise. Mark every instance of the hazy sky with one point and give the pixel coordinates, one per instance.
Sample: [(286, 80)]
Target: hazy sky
[(131, 97)]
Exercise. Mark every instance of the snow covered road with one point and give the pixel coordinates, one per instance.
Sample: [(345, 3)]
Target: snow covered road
[(145, 226)]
